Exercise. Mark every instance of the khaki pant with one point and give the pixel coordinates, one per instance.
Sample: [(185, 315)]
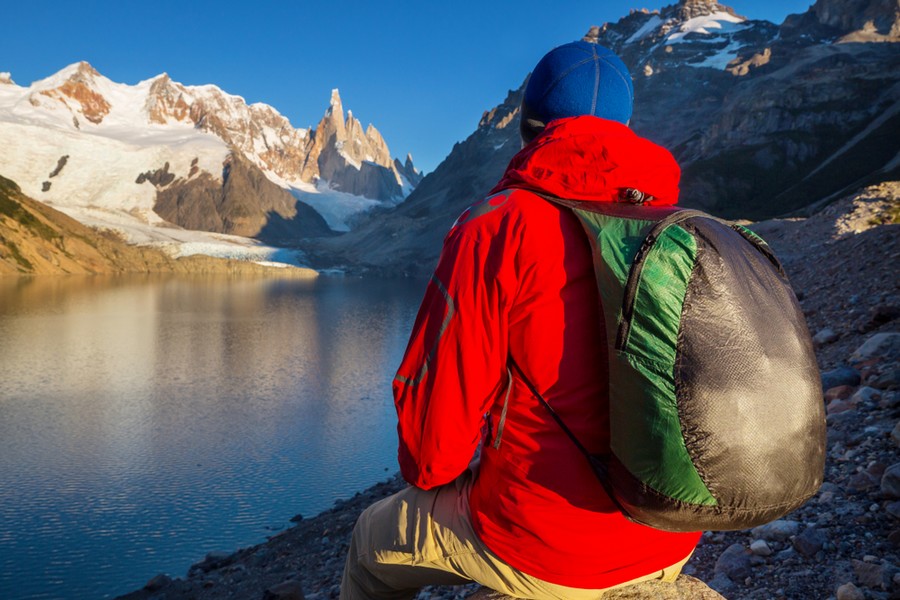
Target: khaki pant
[(417, 538)]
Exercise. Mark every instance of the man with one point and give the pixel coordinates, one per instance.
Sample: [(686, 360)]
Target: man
[(515, 283)]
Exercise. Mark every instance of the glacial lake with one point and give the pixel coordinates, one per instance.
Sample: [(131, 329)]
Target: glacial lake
[(146, 421)]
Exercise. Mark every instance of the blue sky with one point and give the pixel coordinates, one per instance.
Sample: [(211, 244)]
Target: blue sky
[(422, 72)]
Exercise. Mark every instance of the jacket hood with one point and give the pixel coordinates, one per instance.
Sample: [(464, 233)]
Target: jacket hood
[(591, 159)]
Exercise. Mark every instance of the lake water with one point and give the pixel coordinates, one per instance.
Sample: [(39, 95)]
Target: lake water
[(146, 421)]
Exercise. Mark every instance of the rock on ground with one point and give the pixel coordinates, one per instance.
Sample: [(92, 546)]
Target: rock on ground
[(684, 588)]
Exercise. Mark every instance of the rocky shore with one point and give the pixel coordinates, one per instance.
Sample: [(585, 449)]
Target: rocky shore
[(843, 544)]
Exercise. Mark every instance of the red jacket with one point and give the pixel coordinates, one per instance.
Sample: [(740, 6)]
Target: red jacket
[(515, 280)]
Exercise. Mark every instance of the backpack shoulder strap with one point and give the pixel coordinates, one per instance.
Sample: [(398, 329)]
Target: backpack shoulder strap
[(598, 463)]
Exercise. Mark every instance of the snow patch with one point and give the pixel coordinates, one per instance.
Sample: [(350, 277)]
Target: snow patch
[(716, 23), (93, 174), (337, 208), (652, 24), (406, 188), (721, 59)]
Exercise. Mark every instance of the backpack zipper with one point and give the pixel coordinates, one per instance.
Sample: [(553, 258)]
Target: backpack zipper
[(637, 266)]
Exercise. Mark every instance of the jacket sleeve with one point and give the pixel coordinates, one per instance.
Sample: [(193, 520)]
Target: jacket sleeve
[(454, 366)]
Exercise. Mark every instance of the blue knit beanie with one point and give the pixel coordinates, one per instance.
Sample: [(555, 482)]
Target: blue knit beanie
[(579, 78)]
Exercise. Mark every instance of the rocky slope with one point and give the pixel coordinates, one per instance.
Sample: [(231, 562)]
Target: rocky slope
[(38, 240), (243, 202), (844, 543), (764, 119), (756, 113), (193, 155)]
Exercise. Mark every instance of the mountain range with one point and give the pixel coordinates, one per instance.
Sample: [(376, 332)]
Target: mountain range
[(121, 156), (764, 119)]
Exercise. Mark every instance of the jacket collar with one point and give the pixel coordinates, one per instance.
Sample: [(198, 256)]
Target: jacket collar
[(591, 159)]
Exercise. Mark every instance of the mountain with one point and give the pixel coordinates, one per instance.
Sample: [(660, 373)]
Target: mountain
[(36, 239), (193, 156), (756, 113), (764, 119), (407, 239)]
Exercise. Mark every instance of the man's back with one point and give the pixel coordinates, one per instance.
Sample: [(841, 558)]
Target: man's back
[(517, 271)]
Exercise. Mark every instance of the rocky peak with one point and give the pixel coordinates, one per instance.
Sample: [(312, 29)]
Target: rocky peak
[(83, 71), (409, 170), (76, 73), (379, 148), (336, 101), (166, 101), (333, 121), (690, 9), (502, 115), (349, 159), (879, 17), (352, 127), (6, 79), (76, 87), (642, 32)]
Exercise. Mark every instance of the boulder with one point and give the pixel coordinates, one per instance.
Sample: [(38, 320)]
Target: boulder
[(811, 541), (826, 336), (870, 575), (880, 345), (890, 482), (848, 591), (734, 563), (684, 588), (865, 394), (840, 376), (777, 531), (889, 380), (760, 548), (286, 590)]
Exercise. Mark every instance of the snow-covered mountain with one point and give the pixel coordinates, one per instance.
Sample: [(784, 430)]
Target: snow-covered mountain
[(764, 119), (158, 152)]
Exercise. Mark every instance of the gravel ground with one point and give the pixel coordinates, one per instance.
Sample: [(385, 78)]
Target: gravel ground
[(844, 543)]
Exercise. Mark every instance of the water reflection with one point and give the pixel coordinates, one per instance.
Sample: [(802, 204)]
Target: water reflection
[(147, 420)]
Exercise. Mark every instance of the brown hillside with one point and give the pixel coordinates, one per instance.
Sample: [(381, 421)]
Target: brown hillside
[(37, 240)]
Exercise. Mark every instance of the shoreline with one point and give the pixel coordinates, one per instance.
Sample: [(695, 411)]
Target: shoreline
[(193, 265), (310, 553)]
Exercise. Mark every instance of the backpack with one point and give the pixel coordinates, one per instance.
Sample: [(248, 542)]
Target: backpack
[(715, 399)]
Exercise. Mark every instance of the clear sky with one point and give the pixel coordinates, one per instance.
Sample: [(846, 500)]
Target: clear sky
[(422, 72)]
